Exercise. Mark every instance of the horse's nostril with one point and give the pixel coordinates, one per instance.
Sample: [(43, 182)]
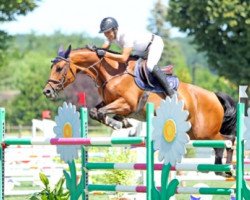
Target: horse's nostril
[(46, 91)]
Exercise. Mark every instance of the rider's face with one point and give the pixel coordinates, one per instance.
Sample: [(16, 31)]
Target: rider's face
[(110, 34)]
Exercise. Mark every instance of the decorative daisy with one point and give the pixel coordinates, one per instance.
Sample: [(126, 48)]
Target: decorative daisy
[(170, 130), (247, 129), (67, 126)]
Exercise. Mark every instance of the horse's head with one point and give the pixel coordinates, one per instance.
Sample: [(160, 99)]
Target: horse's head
[(62, 73)]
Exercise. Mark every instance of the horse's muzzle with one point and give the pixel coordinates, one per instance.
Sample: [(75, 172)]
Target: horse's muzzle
[(49, 92)]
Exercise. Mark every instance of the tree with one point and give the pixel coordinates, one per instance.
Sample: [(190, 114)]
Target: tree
[(9, 10), (171, 52), (221, 28), (158, 26)]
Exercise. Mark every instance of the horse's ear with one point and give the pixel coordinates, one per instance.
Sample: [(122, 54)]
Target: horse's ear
[(67, 52), (60, 51)]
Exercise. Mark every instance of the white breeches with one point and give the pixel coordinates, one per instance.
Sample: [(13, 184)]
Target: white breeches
[(155, 51)]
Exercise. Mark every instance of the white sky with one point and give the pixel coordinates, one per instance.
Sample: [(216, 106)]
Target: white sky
[(80, 16)]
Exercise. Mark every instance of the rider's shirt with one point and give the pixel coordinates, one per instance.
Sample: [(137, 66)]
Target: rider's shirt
[(139, 43)]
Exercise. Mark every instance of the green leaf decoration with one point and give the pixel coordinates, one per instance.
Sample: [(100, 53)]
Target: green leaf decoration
[(79, 187), (171, 188), (246, 190), (156, 193), (164, 179), (68, 179), (72, 168)]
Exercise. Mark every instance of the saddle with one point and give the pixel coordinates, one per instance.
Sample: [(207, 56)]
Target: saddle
[(146, 81)]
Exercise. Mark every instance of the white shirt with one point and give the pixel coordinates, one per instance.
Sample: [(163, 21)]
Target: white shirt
[(138, 42)]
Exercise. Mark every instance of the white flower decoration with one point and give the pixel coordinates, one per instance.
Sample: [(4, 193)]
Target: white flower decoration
[(247, 130), (170, 130), (67, 126)]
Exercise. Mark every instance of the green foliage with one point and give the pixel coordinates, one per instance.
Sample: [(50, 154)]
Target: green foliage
[(179, 62), (29, 58), (220, 28), (29, 79), (58, 193), (215, 83), (196, 70), (9, 10)]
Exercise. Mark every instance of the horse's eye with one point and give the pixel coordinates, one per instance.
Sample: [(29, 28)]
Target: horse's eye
[(59, 69)]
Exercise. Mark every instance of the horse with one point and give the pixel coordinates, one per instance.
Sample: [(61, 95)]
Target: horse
[(212, 115)]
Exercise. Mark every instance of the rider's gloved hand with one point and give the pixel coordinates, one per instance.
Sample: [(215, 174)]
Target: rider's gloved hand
[(100, 52)]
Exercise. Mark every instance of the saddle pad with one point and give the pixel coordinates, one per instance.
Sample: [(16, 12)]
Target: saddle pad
[(141, 83)]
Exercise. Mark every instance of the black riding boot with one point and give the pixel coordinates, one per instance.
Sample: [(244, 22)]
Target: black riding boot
[(163, 81)]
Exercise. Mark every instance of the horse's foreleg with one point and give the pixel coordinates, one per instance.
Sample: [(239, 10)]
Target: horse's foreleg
[(124, 120), (118, 107), (93, 113)]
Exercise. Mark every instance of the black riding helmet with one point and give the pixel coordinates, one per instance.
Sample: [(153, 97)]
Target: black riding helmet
[(108, 23)]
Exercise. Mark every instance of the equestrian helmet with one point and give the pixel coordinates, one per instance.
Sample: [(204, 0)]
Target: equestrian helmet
[(107, 24)]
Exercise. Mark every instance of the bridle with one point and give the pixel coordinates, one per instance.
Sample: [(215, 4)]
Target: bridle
[(59, 84)]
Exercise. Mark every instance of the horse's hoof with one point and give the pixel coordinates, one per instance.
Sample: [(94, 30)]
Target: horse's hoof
[(132, 133), (117, 125), (114, 124)]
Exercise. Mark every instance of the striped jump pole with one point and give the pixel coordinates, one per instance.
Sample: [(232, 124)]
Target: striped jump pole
[(109, 142), (178, 167), (144, 189), (2, 132)]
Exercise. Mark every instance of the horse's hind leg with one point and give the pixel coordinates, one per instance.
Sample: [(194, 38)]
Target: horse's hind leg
[(229, 157), (218, 158), (230, 151)]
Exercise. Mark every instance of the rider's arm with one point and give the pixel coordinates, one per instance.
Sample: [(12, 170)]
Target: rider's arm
[(120, 57), (105, 46)]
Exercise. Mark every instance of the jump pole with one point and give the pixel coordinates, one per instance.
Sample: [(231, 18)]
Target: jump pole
[(2, 132)]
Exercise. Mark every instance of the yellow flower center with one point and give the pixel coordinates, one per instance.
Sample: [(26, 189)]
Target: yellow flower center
[(67, 130), (169, 130)]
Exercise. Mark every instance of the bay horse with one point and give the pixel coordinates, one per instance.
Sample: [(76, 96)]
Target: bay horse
[(212, 115)]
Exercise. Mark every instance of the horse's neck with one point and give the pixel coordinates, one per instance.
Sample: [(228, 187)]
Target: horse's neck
[(103, 69)]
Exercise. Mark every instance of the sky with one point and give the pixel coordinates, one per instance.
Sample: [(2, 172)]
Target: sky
[(84, 17)]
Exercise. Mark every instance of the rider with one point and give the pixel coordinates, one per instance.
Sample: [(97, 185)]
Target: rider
[(148, 46)]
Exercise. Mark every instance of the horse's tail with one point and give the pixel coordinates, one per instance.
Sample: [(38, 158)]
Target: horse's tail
[(229, 121)]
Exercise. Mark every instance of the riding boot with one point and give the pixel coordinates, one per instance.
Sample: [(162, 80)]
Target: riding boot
[(161, 77)]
